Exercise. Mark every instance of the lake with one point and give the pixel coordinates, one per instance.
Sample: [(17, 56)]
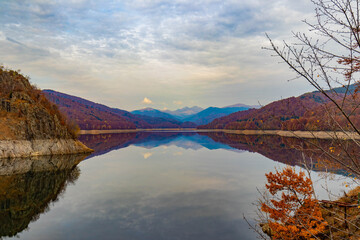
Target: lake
[(149, 185)]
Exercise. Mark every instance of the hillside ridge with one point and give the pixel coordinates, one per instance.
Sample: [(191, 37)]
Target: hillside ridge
[(27, 116)]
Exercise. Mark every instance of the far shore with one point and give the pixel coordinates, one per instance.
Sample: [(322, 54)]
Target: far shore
[(297, 134)]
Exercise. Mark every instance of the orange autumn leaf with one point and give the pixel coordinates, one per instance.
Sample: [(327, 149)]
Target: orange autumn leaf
[(293, 212)]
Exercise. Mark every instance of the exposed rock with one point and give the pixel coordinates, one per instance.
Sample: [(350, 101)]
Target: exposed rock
[(28, 148)]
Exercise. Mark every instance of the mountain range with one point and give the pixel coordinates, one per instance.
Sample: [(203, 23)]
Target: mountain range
[(182, 113), (305, 112), (201, 117), (272, 116), (273, 147), (90, 115), (309, 111)]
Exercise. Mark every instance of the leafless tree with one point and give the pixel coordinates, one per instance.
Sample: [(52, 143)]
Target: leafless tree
[(328, 57)]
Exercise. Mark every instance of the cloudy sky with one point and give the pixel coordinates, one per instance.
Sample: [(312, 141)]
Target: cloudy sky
[(132, 54)]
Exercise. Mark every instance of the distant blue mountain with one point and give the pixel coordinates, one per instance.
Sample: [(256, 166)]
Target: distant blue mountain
[(150, 112), (211, 113), (185, 112), (194, 115)]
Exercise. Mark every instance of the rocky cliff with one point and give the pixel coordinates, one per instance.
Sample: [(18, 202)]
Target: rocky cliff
[(29, 124)]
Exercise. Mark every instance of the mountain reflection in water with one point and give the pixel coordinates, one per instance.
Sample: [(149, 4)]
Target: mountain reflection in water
[(28, 186), (160, 185), (103, 143), (287, 150)]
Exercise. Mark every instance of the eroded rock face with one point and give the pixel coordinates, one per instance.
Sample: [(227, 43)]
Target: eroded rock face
[(39, 147), (29, 124), (31, 119)]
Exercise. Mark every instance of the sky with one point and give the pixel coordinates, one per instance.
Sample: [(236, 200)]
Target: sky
[(164, 54)]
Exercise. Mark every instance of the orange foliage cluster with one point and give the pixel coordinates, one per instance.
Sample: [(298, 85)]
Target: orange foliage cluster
[(354, 66), (293, 211)]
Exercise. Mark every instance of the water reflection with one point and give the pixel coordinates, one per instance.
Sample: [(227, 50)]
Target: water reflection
[(158, 186), (120, 195), (28, 186), (290, 151), (315, 154), (103, 143)]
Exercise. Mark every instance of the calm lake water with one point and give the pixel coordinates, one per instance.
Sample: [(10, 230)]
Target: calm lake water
[(146, 186)]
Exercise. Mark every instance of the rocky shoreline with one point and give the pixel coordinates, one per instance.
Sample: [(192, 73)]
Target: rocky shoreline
[(283, 133), (30, 148)]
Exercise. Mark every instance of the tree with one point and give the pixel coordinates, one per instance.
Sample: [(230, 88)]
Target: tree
[(328, 57), (293, 211)]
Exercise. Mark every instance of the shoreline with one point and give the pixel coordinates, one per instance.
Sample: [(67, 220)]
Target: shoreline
[(42, 147), (282, 133)]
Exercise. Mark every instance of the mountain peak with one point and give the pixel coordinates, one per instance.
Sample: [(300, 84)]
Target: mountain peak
[(185, 111), (147, 109), (242, 105)]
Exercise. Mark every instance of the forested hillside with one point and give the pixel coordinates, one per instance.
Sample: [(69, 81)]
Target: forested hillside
[(310, 111), (282, 114), (91, 115), (25, 114)]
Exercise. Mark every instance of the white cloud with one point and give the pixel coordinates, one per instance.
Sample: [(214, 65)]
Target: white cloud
[(147, 101), (147, 155), (2, 36), (201, 52), (178, 154)]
